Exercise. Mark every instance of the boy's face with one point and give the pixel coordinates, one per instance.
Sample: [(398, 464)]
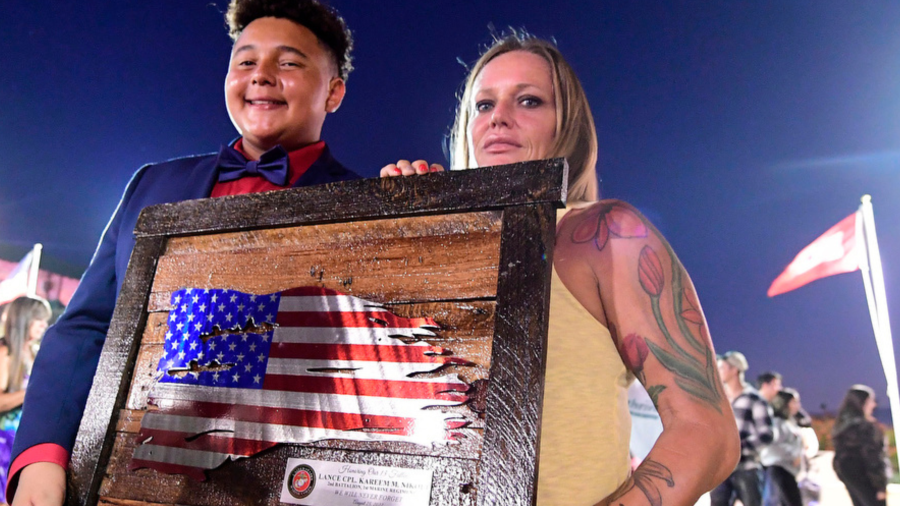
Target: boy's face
[(281, 83)]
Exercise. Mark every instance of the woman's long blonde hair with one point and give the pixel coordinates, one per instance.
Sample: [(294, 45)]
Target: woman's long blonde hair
[(19, 315), (576, 136)]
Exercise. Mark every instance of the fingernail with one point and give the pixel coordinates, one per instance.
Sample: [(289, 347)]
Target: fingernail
[(398, 171), (434, 169), (423, 167)]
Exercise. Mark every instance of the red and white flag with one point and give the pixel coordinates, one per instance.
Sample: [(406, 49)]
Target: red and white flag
[(243, 372), (835, 252)]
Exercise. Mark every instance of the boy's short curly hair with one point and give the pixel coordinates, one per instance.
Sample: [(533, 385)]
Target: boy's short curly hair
[(322, 20)]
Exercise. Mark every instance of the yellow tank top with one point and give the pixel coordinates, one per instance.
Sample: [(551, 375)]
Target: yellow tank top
[(585, 425)]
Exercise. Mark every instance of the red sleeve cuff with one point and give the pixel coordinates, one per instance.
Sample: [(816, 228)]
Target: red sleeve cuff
[(45, 452)]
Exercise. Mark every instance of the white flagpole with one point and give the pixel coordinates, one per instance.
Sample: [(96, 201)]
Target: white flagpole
[(880, 320), (34, 270)]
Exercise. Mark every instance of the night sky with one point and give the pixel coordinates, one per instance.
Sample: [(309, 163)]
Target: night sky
[(742, 129)]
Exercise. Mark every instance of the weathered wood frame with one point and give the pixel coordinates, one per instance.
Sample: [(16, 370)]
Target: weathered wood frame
[(528, 195)]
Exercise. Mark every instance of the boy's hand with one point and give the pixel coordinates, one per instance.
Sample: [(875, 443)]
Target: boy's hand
[(41, 484), (404, 168)]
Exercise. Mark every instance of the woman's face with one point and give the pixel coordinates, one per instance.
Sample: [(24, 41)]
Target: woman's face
[(36, 330), (794, 406), (513, 114), (869, 406)]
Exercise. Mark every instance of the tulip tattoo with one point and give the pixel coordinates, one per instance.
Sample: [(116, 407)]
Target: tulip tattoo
[(688, 358)]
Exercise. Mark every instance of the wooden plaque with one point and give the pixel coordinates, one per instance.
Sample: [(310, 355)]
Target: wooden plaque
[(470, 249)]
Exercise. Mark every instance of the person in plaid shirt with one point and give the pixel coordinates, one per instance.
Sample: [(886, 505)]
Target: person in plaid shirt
[(754, 420)]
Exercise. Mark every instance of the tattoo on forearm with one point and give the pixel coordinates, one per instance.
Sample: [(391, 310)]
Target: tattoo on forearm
[(695, 375), (648, 478)]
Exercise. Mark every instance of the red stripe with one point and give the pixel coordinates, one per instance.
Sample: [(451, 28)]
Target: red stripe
[(293, 417), (355, 319), (307, 291), (366, 387), (364, 352)]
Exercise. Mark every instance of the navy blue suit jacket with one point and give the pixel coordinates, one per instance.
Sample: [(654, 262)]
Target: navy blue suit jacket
[(65, 367)]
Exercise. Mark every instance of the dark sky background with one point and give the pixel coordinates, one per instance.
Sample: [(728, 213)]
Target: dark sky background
[(742, 129)]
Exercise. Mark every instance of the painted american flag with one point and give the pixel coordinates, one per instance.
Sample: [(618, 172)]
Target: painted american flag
[(243, 372)]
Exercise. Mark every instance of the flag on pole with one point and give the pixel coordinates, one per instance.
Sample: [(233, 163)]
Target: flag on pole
[(242, 373), (835, 252), (17, 282)]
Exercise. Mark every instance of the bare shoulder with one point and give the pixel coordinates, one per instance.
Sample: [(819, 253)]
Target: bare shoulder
[(587, 231)]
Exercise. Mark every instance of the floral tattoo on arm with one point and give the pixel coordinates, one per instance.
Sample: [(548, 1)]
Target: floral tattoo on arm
[(685, 354)]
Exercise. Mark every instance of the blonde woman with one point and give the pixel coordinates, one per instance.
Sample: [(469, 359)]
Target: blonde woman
[(24, 325), (621, 306)]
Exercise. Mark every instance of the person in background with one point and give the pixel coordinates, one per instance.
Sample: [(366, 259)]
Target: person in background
[(615, 287), (25, 320), (768, 384), (782, 458), (754, 422), (859, 453), (287, 73)]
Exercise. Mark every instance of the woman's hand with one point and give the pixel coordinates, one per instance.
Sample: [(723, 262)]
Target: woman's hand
[(881, 495), (404, 168), (41, 484)]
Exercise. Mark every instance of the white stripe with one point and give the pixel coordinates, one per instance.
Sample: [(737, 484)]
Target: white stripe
[(346, 335), (182, 456), (343, 303), (387, 406), (387, 371), (427, 428)]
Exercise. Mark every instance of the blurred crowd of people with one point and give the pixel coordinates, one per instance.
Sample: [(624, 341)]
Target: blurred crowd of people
[(777, 443)]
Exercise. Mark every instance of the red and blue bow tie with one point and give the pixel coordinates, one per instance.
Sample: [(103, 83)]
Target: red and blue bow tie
[(272, 165)]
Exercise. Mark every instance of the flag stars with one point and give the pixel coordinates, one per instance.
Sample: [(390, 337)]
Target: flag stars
[(183, 308), (198, 326), (181, 355), (261, 357), (171, 317), (212, 345), (269, 318), (232, 346), (177, 299), (236, 377), (215, 376), (273, 298), (256, 378), (240, 357), (190, 317), (195, 299), (241, 307), (221, 307), (209, 317), (174, 345), (220, 357), (252, 347), (252, 298), (260, 307), (202, 308), (233, 298), (228, 317), (193, 345), (179, 326), (248, 368)]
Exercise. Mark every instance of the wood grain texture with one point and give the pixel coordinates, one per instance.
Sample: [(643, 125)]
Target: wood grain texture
[(390, 260), (507, 472), (257, 481), (110, 387), (437, 193)]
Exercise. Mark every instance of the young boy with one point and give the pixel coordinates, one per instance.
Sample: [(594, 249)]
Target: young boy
[(288, 66)]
